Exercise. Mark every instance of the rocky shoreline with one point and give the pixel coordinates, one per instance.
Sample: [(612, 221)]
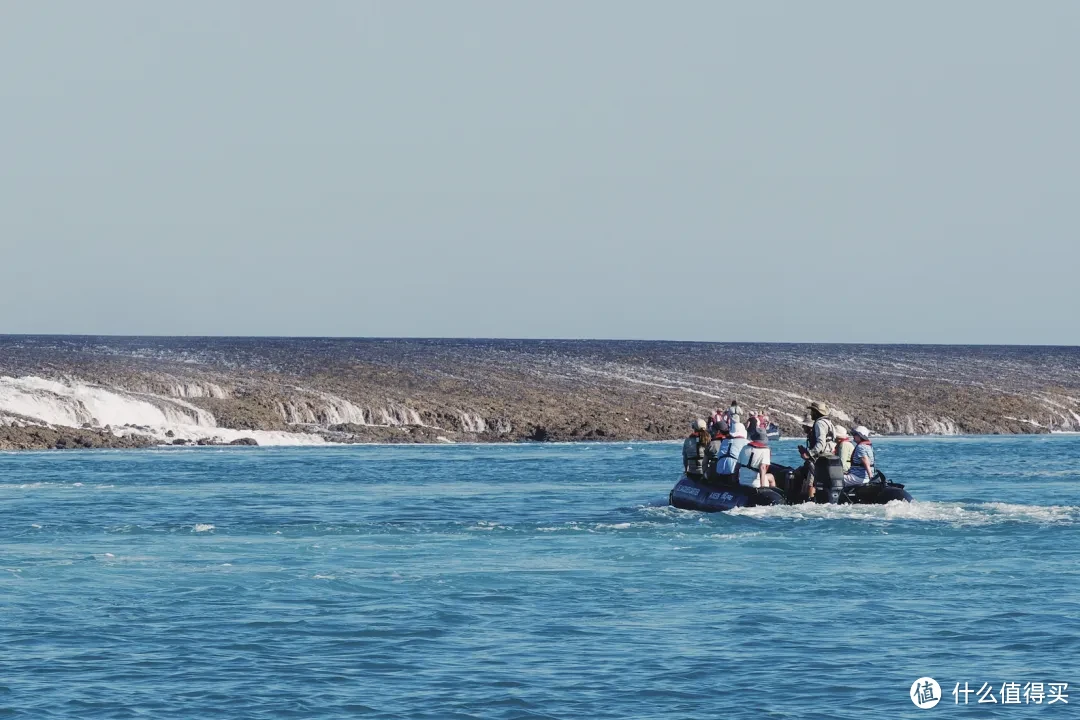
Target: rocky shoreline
[(83, 392)]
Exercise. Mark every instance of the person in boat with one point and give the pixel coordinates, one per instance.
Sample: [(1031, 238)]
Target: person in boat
[(754, 462), (727, 458), (693, 452), (712, 452), (714, 421), (754, 423), (757, 421), (862, 459), (844, 447), (733, 414), (821, 441)]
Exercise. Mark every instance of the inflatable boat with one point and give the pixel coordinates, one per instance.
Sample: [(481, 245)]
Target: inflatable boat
[(699, 493)]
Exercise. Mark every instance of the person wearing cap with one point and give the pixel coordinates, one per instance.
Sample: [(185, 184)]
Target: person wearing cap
[(754, 462), (821, 441), (693, 450), (844, 447), (727, 459), (862, 459)]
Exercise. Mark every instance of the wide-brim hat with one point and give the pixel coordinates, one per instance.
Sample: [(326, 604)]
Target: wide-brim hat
[(759, 438), (840, 431), (738, 430), (821, 407)]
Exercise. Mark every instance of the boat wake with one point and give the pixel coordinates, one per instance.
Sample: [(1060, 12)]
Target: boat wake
[(958, 514)]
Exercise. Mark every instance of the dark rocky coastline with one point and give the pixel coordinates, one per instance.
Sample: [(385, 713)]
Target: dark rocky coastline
[(409, 391)]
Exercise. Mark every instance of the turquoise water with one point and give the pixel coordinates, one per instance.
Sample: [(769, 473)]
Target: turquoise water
[(539, 581)]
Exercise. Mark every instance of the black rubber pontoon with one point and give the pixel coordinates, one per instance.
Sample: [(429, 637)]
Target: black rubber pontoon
[(700, 493)]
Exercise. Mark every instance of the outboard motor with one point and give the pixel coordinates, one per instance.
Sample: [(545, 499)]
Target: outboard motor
[(828, 480)]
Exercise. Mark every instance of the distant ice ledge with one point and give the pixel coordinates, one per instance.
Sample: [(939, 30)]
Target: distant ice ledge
[(32, 400), (168, 418)]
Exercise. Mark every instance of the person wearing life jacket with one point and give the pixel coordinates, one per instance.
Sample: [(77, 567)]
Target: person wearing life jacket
[(822, 439), (754, 461), (714, 421), (844, 447), (757, 421), (751, 423), (820, 442), (733, 414), (862, 459), (693, 452), (727, 459), (712, 452)]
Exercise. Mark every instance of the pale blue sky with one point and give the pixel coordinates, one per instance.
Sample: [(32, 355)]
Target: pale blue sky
[(542, 169)]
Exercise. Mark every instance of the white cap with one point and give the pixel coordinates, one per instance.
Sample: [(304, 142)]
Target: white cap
[(698, 425), (862, 431), (738, 431), (840, 431)]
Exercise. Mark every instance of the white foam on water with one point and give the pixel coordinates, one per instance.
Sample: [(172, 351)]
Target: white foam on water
[(625, 525), (203, 527), (269, 438), (486, 525), (919, 511), (733, 536)]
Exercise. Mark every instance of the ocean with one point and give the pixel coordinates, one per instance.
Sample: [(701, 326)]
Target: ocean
[(531, 581)]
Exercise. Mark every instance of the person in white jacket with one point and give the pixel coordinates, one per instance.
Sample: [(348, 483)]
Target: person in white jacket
[(754, 462), (727, 460)]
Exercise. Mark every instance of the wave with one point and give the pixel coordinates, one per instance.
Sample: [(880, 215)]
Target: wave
[(977, 514)]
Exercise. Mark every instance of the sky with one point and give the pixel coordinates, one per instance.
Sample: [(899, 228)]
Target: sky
[(718, 171)]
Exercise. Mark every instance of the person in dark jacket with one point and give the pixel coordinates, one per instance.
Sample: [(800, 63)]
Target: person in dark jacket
[(713, 451)]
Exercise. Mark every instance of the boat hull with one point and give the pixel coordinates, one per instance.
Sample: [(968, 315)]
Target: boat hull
[(692, 493), (699, 494)]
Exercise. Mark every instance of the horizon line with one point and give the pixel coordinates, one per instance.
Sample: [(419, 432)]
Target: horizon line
[(419, 338)]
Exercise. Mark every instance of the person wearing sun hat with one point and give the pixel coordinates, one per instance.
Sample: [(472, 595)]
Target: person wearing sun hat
[(862, 460), (727, 458), (844, 447), (753, 467), (822, 439)]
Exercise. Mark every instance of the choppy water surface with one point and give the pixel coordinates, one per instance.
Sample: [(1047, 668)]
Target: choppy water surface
[(527, 581)]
